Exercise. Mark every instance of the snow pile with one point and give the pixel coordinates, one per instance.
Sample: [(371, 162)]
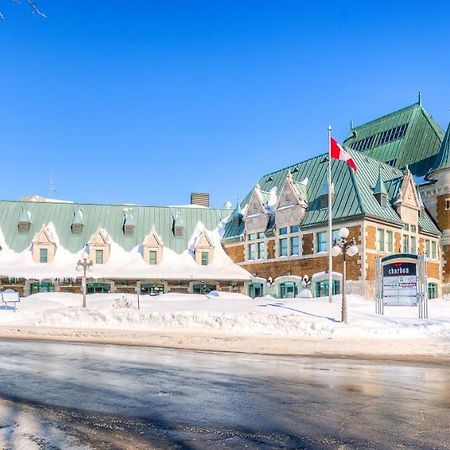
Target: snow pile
[(228, 313)]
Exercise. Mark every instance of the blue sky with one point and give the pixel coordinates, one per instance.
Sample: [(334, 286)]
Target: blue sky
[(144, 102)]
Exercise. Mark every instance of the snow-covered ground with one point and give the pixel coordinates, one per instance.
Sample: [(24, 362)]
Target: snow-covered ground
[(225, 313)]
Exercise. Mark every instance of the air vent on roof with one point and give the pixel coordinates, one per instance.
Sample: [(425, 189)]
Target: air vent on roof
[(178, 226), (294, 170), (77, 223), (24, 222), (270, 178), (128, 224)]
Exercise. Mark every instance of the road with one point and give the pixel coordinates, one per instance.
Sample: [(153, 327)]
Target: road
[(72, 396)]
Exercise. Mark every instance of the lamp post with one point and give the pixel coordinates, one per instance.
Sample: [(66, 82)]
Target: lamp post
[(84, 264), (344, 247)]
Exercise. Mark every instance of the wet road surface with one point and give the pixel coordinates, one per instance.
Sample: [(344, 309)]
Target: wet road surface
[(57, 395)]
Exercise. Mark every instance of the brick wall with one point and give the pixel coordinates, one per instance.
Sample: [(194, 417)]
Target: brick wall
[(271, 248), (445, 264), (236, 252), (308, 244)]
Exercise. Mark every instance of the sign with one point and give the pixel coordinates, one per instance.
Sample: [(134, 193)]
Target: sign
[(400, 284), (10, 296)]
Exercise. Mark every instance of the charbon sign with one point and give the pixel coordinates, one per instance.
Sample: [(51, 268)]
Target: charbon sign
[(400, 284)]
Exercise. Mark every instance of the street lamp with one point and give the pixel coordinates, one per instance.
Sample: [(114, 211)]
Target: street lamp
[(344, 247), (84, 264)]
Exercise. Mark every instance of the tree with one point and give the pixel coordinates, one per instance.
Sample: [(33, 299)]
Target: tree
[(32, 4)]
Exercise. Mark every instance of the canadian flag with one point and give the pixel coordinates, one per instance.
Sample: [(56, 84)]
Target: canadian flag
[(338, 152)]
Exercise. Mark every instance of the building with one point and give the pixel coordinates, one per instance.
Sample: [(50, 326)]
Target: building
[(144, 249), (398, 201)]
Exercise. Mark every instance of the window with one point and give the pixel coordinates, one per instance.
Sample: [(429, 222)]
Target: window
[(447, 203), (294, 245), (389, 242), (321, 241), (283, 230), (43, 255), (432, 290), (406, 227), (283, 247), (252, 236), (295, 229), (405, 244), (413, 229), (205, 258), (334, 236), (98, 256), (380, 240), (261, 235), (433, 249), (261, 250), (427, 248), (252, 251), (152, 257), (413, 245)]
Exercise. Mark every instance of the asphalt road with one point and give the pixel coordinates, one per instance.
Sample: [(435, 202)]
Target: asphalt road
[(57, 395)]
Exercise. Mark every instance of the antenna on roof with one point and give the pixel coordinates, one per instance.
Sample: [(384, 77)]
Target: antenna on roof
[(351, 125), (52, 184), (419, 99)]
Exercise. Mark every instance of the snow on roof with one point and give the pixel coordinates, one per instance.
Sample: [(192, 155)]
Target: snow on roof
[(123, 264), (41, 199)]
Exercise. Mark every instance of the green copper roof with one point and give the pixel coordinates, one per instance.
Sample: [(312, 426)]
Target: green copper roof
[(354, 196), (110, 217), (408, 137), (443, 157)]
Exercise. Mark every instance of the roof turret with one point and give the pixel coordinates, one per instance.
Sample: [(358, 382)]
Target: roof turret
[(442, 160)]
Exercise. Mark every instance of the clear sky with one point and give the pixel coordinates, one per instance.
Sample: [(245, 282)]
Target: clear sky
[(146, 101)]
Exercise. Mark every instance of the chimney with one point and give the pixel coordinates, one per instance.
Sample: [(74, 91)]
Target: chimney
[(200, 199)]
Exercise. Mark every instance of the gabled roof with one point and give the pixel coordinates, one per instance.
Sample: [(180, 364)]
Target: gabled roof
[(407, 137), (354, 196), (442, 160), (77, 218)]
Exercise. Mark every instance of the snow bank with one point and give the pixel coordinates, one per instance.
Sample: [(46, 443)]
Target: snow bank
[(235, 314)]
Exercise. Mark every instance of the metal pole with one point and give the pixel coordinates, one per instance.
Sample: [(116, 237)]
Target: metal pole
[(84, 285), (344, 275), (330, 223)]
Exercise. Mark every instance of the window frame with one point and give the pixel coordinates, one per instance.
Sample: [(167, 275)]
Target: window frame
[(99, 251), (43, 251)]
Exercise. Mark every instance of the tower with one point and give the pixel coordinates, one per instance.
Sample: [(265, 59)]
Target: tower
[(436, 197)]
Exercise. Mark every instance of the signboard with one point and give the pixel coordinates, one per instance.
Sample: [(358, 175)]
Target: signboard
[(10, 296), (400, 284)]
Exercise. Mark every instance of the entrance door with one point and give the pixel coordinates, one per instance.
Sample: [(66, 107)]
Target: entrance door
[(152, 289), (203, 288), (41, 286), (255, 290), (98, 288), (322, 288), (288, 290)]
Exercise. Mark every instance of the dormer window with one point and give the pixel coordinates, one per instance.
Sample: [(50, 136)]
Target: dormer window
[(203, 249), (128, 224), (77, 223), (43, 246), (152, 248), (323, 195), (24, 223), (99, 246)]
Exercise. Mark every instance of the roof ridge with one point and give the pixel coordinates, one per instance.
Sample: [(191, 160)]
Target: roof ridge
[(387, 115)]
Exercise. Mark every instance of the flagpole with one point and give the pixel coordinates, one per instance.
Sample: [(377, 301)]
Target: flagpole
[(330, 223)]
